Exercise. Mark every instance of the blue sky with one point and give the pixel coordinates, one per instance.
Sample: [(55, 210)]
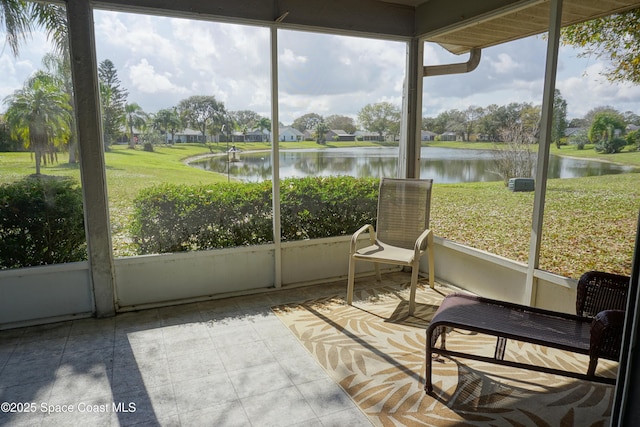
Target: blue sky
[(163, 60)]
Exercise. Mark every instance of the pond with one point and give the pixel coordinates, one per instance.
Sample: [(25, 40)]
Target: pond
[(444, 165)]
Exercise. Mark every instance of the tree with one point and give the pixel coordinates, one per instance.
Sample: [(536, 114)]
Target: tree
[(202, 113), (229, 125), (307, 122), (38, 114), (489, 124), (16, 22), (168, 122), (245, 119), (615, 38), (112, 101), (605, 132), (631, 118), (472, 116), (591, 114), (432, 124), (263, 124), (18, 19), (320, 133), (633, 138), (135, 117), (7, 142), (340, 122), (515, 158), (530, 116), (453, 121), (579, 138), (578, 123), (58, 67), (559, 122), (381, 118)]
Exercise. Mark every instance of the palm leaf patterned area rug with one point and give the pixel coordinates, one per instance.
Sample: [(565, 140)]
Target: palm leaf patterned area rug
[(376, 352)]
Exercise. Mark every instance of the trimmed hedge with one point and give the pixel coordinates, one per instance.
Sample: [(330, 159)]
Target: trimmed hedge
[(176, 218), (41, 222)]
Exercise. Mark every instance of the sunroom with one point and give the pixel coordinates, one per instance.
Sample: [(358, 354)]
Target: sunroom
[(110, 283)]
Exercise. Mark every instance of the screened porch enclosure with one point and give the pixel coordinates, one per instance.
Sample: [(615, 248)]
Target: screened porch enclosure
[(105, 285)]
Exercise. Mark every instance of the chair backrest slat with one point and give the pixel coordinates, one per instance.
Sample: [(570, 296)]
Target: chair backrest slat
[(403, 210), (599, 291)]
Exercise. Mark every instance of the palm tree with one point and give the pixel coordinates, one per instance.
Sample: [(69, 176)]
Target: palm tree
[(168, 121), (39, 114), (18, 19), (135, 117), (59, 67), (263, 124), (320, 133)]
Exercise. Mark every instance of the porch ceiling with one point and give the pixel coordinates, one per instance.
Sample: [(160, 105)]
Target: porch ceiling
[(457, 25), (462, 31)]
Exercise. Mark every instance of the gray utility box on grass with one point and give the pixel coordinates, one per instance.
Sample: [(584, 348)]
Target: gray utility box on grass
[(521, 184)]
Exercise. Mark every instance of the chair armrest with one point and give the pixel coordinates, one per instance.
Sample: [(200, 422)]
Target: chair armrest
[(606, 334), (354, 238), (425, 235)]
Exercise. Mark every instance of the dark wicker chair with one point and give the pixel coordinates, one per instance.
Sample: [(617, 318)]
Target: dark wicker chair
[(603, 297)]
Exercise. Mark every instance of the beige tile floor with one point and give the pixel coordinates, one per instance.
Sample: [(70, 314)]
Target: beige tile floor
[(218, 363)]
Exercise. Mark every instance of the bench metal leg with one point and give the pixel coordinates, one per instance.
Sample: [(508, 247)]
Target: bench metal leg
[(432, 338)]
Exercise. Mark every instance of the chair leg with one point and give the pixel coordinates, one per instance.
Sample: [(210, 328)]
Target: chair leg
[(432, 274), (414, 285), (593, 363), (351, 280)]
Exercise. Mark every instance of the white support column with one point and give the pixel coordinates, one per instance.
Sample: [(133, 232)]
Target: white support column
[(92, 164), (551, 67), (275, 157), (411, 122)]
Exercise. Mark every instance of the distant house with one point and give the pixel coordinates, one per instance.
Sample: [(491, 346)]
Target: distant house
[(288, 134), (236, 136), (258, 135), (449, 136), (427, 135), (572, 131), (123, 137), (368, 136), (339, 135), (186, 135), (631, 127)]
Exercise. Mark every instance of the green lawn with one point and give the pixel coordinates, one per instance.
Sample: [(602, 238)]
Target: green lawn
[(590, 223)]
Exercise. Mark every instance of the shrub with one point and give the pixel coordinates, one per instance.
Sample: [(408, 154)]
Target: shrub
[(176, 218), (633, 138), (41, 222), (315, 207), (580, 139), (610, 146)]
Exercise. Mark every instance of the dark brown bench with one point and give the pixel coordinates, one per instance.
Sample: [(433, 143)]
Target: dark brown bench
[(596, 329)]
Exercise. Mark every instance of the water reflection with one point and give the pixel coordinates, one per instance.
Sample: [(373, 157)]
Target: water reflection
[(444, 165)]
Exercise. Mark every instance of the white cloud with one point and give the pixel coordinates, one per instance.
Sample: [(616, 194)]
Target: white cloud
[(505, 64), (290, 59), (145, 79), (592, 89)]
